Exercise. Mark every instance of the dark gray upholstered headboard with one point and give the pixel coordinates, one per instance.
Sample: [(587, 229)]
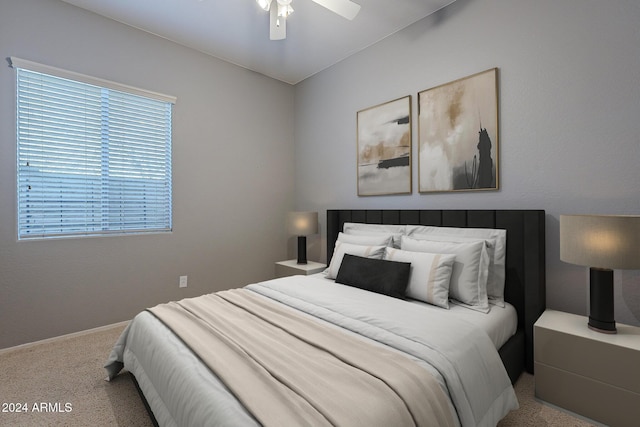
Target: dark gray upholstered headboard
[(525, 263)]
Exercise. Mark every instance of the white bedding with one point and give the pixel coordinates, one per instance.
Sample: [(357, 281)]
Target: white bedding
[(182, 392), (500, 323)]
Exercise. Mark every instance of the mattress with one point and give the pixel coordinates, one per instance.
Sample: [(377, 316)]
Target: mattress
[(181, 391)]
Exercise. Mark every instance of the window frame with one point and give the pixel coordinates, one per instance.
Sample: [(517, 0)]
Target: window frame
[(129, 185)]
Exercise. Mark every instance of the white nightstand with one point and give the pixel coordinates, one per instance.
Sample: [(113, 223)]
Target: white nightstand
[(590, 373), (291, 268)]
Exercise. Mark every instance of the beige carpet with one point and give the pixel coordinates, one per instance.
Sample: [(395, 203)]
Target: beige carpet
[(69, 371), (62, 384), (533, 413)]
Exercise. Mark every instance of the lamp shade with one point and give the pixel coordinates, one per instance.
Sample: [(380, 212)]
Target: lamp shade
[(601, 241), (302, 223)]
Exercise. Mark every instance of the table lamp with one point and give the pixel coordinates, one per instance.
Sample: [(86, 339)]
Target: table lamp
[(602, 243), (302, 224)]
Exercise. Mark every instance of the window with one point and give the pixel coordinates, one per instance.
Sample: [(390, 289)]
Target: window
[(94, 157)]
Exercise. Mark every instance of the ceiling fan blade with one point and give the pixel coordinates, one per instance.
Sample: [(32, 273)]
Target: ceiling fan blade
[(345, 8), (277, 25)]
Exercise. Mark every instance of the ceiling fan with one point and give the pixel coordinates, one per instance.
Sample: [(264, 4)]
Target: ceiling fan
[(280, 9)]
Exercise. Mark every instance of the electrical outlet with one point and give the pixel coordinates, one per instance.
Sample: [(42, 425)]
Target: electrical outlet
[(183, 281)]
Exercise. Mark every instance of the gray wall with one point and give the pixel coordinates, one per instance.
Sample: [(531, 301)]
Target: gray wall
[(233, 179), (569, 85), (569, 135)]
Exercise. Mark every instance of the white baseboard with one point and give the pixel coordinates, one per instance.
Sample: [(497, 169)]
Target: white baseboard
[(63, 337)]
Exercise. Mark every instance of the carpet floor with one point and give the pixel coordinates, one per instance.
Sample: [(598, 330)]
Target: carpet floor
[(62, 383)]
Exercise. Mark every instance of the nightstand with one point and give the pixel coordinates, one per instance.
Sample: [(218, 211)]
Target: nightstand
[(292, 268), (593, 374)]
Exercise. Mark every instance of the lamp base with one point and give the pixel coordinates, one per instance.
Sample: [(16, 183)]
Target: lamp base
[(302, 249), (601, 314), (603, 331)]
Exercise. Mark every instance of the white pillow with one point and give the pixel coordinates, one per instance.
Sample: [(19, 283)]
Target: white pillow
[(378, 228), (497, 268), (341, 248), (470, 269), (490, 245), (429, 277), (396, 231), (366, 239)]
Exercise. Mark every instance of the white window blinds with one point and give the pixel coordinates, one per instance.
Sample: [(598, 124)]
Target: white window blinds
[(92, 159)]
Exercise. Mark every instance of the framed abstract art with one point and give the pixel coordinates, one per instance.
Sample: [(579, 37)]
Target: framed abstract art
[(458, 135), (384, 148)]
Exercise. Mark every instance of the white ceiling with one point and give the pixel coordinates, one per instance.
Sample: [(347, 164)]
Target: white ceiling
[(238, 30)]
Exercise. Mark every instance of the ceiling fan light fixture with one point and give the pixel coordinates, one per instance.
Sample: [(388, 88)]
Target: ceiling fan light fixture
[(264, 4), (284, 11), (284, 8)]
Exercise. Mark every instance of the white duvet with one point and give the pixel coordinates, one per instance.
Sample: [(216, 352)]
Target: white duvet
[(182, 392)]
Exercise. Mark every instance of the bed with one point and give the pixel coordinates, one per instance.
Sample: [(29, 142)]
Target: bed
[(180, 388)]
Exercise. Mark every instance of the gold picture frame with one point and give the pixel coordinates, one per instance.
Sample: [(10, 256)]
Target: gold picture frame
[(458, 138), (384, 148)]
